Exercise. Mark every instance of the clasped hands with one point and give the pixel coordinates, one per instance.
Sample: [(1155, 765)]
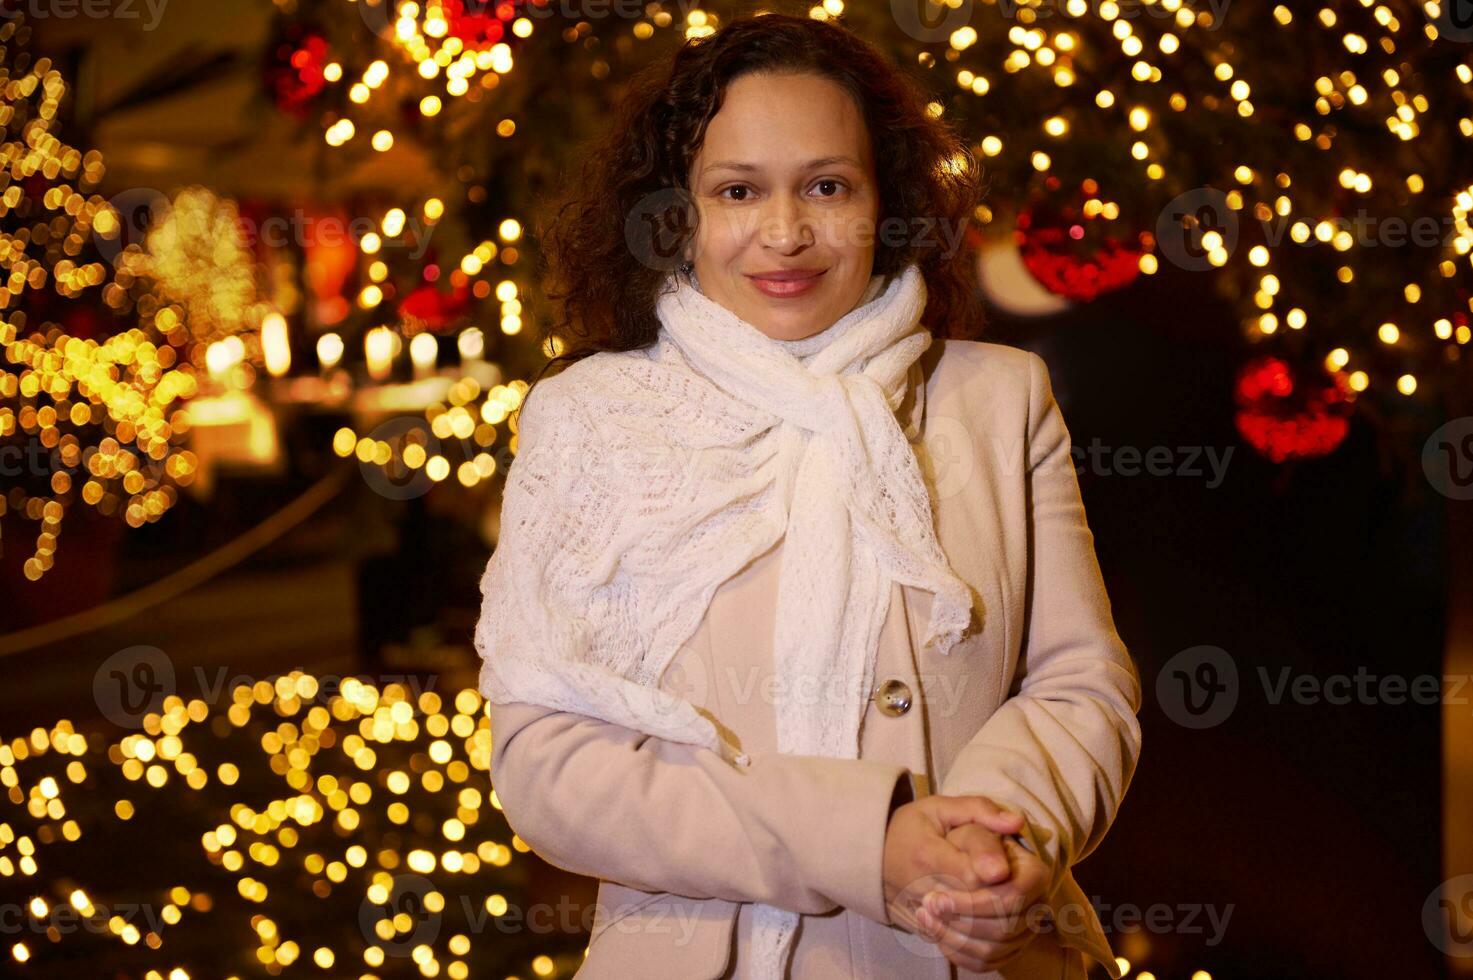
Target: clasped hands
[(952, 876)]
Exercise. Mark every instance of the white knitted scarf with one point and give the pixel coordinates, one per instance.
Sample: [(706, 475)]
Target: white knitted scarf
[(645, 479)]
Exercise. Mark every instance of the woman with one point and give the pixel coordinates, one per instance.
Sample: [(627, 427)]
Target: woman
[(795, 635)]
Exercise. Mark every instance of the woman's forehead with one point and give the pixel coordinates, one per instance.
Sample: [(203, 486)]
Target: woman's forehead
[(791, 121)]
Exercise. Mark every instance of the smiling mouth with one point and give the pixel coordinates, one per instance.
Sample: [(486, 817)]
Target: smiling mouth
[(788, 275), (786, 283)]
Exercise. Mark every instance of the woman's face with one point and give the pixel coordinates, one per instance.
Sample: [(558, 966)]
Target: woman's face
[(785, 187)]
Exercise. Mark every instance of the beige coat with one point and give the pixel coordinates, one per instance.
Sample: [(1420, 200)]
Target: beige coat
[(1036, 709)]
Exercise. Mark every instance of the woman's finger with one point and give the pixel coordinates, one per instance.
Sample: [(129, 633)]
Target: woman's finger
[(973, 953), (996, 902), (954, 811), (985, 850)]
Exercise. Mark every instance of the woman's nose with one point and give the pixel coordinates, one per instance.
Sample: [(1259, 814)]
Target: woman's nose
[(786, 225)]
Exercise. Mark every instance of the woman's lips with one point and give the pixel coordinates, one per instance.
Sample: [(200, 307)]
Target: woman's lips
[(787, 287)]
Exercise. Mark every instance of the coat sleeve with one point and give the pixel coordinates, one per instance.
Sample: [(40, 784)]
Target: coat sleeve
[(803, 833), (1062, 748)]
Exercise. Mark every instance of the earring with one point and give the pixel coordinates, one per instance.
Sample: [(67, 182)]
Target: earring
[(686, 267)]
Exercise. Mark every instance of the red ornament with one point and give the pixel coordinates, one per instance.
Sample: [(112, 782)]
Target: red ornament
[(433, 308), (1284, 417), (1074, 253), (295, 75), (478, 23)]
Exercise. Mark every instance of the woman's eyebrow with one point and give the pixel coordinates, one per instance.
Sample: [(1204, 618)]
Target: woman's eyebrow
[(753, 168)]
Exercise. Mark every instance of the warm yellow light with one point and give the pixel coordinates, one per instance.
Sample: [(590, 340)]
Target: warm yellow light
[(329, 350), (378, 351), (275, 344), (471, 343), (423, 352), (1388, 333)]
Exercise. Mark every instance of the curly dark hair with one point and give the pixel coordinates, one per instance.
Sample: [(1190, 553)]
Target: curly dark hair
[(925, 172)]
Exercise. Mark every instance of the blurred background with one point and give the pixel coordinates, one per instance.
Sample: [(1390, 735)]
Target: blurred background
[(272, 295)]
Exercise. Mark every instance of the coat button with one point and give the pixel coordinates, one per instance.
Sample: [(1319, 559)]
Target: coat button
[(893, 698)]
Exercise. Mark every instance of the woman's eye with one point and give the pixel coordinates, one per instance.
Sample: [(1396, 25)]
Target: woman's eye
[(838, 186), (733, 187)]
